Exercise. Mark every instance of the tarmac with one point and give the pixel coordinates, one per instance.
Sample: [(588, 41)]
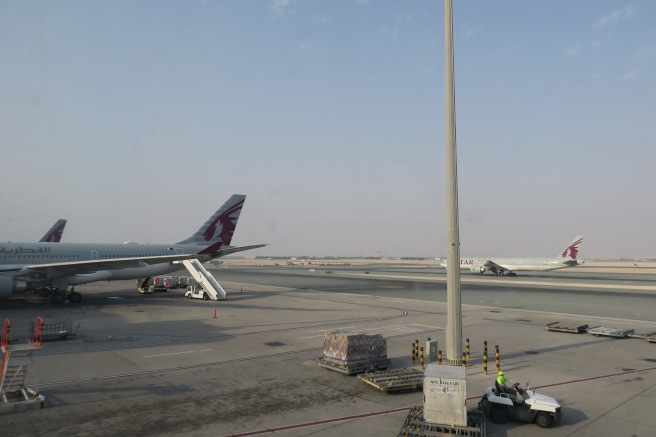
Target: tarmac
[(164, 365)]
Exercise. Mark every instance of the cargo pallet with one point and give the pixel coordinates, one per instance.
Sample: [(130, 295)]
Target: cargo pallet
[(573, 328), (648, 335), (610, 332), (577, 328), (355, 368), (415, 426), (394, 380)]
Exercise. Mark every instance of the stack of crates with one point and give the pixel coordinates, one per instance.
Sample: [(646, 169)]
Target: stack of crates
[(354, 352)]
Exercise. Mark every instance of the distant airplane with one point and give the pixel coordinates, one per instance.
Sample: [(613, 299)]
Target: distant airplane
[(508, 266), (55, 233), (33, 266)]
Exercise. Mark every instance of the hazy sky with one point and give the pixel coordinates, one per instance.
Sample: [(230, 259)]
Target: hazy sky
[(136, 119)]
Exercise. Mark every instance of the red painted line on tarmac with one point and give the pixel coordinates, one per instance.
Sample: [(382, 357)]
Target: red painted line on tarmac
[(320, 422), (628, 372), (398, 410)]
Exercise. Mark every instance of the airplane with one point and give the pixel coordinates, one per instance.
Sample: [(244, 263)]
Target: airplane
[(508, 266), (56, 266), (55, 233)]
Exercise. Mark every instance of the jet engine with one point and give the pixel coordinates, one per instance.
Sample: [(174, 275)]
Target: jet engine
[(477, 269), (9, 286)]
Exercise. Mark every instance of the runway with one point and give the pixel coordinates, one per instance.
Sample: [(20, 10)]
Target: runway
[(603, 294), (162, 364)]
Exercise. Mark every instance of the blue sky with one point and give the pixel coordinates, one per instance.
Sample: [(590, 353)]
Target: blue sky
[(135, 120)]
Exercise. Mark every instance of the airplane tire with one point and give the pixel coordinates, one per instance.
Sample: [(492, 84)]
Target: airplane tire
[(58, 298), (543, 420), (75, 297), (484, 406)]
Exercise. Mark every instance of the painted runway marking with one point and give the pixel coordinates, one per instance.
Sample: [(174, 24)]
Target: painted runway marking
[(513, 281), (409, 327), (338, 327), (176, 353)]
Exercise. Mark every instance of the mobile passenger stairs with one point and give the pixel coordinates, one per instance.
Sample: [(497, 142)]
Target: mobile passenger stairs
[(16, 361), (209, 286)]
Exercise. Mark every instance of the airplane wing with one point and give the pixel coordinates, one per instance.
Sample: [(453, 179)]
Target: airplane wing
[(94, 265), (491, 265)]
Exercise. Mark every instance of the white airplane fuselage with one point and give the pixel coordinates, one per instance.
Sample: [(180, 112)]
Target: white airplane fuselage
[(39, 257), (53, 267), (518, 264)]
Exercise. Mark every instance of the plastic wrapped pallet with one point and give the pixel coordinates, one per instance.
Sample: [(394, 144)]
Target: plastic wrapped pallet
[(349, 348)]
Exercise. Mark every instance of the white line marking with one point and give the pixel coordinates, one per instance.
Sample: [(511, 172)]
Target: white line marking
[(176, 353), (510, 281), (339, 327), (413, 326)]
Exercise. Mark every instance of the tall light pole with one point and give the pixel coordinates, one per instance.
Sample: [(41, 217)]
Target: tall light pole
[(454, 310)]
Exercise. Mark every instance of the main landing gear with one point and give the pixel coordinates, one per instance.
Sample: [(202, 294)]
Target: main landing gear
[(505, 273), (60, 296)]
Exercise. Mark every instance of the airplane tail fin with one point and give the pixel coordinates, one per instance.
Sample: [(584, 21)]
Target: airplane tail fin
[(55, 233), (221, 226), (572, 250)]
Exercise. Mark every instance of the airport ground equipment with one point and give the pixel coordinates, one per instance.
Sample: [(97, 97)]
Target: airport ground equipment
[(357, 367), (204, 279), (144, 286), (195, 291), (56, 331), (184, 281), (394, 380), (579, 328), (158, 284), (525, 406), (610, 332), (161, 283), (415, 426), (15, 366), (643, 335), (574, 328)]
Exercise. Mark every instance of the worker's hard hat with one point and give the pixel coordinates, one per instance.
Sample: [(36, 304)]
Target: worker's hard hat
[(500, 372)]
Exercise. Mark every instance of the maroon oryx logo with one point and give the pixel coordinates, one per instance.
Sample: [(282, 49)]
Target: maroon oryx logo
[(56, 235), (572, 250), (227, 225)]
